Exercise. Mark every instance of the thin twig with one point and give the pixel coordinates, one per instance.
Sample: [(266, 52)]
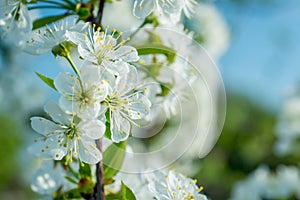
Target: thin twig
[(98, 19), (99, 189), (99, 193)]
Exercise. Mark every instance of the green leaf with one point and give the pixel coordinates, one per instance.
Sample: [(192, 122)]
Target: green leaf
[(113, 158), (83, 13), (73, 194), (157, 49), (47, 20), (46, 80), (127, 192), (113, 196), (71, 179), (85, 171), (107, 133)]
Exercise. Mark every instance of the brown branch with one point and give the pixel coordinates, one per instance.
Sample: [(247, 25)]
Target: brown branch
[(99, 189), (97, 20)]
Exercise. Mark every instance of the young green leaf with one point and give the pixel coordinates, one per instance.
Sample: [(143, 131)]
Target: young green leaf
[(157, 49), (73, 194), (127, 192), (47, 20), (113, 158), (72, 180), (85, 171), (46, 80)]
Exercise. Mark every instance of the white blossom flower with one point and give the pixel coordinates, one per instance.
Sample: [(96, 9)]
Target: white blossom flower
[(263, 184), (15, 21), (211, 29), (66, 135), (174, 186), (188, 7), (288, 128), (126, 103), (101, 48), (47, 179), (45, 39), (171, 9), (135, 181), (81, 95)]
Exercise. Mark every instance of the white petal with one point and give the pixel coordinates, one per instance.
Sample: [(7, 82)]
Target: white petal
[(126, 81), (57, 114), (93, 129), (90, 112), (126, 54), (67, 83), (139, 108), (49, 148), (90, 74), (101, 92), (87, 54), (44, 126), (107, 79), (24, 21), (68, 106), (142, 8), (118, 68), (88, 153), (75, 37), (120, 127)]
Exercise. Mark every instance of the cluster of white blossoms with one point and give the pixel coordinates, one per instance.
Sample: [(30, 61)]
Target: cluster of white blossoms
[(108, 92), (171, 9), (107, 87), (288, 129), (173, 185), (15, 21), (264, 184), (161, 185)]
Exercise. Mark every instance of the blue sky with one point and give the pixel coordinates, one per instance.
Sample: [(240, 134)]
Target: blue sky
[(263, 60)]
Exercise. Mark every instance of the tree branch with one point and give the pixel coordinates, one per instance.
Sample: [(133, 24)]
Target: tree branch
[(99, 189), (98, 19)]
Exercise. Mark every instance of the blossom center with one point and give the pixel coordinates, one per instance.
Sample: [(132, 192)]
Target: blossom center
[(84, 98), (116, 101), (71, 131)]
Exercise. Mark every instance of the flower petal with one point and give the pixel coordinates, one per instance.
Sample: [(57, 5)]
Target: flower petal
[(119, 126), (90, 112), (49, 148), (126, 54), (66, 83), (87, 54), (90, 74), (142, 8), (57, 114), (117, 68), (93, 129), (75, 37), (139, 106), (44, 126), (88, 153)]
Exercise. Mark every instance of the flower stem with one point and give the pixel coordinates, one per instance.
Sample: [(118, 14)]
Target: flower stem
[(69, 59)]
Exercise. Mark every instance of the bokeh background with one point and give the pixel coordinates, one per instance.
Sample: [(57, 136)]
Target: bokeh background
[(255, 44)]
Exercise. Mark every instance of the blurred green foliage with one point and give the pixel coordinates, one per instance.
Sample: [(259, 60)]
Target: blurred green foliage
[(11, 143), (247, 140)]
